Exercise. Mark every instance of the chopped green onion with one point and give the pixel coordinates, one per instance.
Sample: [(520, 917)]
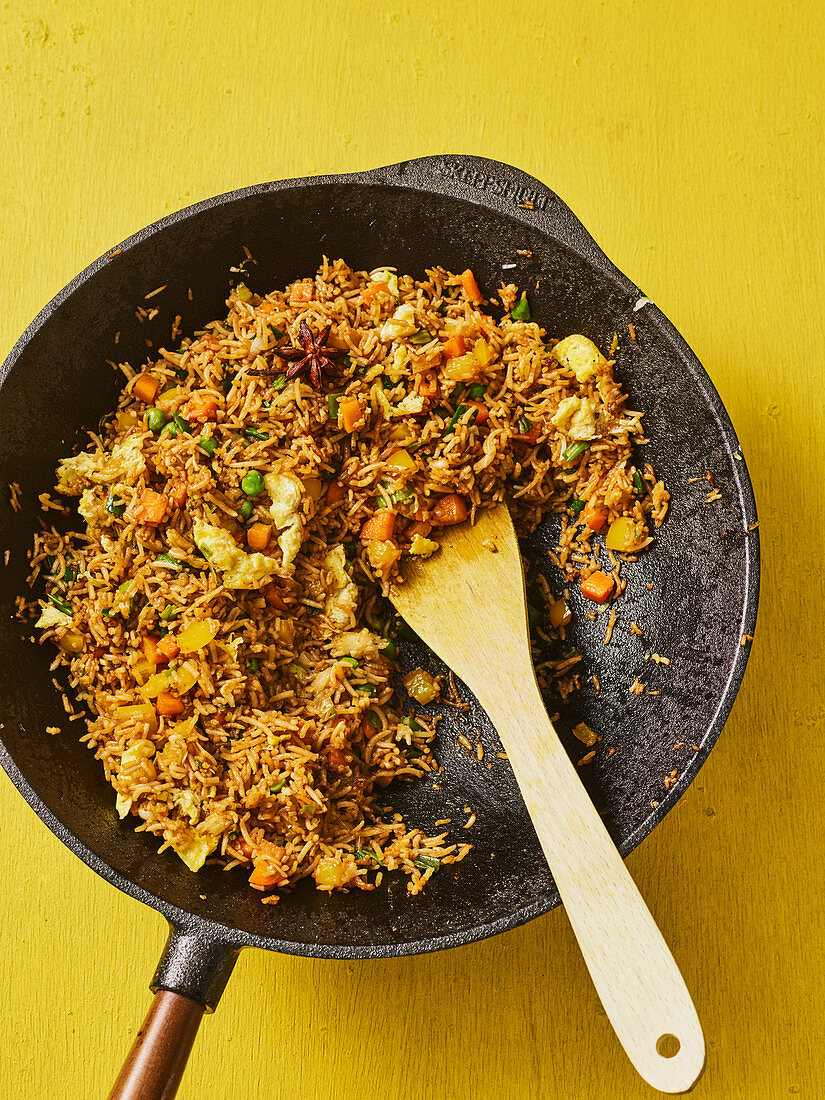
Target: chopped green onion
[(155, 420), (368, 689), (226, 384), (390, 649), (181, 423), (170, 612), (109, 612), (454, 418), (533, 615), (521, 310), (361, 853), (381, 503), (638, 484), (427, 863), (458, 389), (167, 559), (207, 445), (420, 337), (523, 425), (408, 720), (348, 661), (253, 665), (576, 505), (298, 670), (279, 786), (399, 496), (70, 574), (309, 808), (276, 332), (477, 390), (405, 631), (255, 433), (573, 451), (279, 383), (332, 405), (349, 549), (180, 372), (252, 483), (114, 505), (60, 604), (374, 621), (373, 719), (243, 292)]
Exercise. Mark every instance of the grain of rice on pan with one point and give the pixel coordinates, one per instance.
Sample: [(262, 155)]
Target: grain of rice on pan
[(218, 607)]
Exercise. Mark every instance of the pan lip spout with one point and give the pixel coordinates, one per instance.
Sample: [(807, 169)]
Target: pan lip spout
[(507, 191)]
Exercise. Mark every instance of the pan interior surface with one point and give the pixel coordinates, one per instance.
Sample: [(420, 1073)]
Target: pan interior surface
[(688, 593)]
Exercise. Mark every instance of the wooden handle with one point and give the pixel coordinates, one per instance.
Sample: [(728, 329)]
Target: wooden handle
[(635, 975), (154, 1066)]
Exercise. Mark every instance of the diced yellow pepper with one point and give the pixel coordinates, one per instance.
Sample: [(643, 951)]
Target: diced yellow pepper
[(169, 399), (421, 686), (161, 681), (314, 487), (401, 433), (198, 635), (382, 555), (462, 368), (143, 669), (401, 460), (71, 642), (141, 712), (622, 535), (483, 352), (559, 613), (184, 677)]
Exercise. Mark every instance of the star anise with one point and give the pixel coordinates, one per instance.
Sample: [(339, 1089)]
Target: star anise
[(313, 356)]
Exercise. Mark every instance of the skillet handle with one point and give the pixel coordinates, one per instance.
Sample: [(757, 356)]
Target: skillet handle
[(154, 1066), (188, 982)]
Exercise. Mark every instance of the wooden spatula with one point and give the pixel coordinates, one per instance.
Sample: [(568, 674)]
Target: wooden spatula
[(467, 603)]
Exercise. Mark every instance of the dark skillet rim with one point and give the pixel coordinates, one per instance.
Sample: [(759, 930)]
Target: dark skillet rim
[(462, 177)]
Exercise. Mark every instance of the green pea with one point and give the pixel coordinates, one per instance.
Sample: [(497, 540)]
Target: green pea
[(207, 445), (254, 665), (252, 483), (390, 649), (245, 510), (155, 420)]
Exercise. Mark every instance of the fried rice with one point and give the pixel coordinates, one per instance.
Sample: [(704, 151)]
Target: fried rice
[(219, 609)]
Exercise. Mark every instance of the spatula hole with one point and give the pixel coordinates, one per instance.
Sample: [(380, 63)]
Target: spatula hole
[(668, 1046)]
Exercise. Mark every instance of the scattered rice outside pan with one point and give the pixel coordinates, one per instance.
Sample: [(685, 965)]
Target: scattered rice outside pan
[(242, 701)]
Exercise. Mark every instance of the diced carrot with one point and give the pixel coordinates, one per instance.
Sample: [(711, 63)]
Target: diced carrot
[(302, 292), (151, 507), (338, 760), (243, 846), (379, 527), (483, 412), (335, 492), (351, 413), (177, 492), (149, 645), (266, 307), (258, 535), (374, 289), (468, 282), (449, 510), (428, 386), (530, 436), (273, 597), (597, 587), (169, 647), (265, 875), (594, 515), (201, 407), (168, 704), (454, 347), (146, 387)]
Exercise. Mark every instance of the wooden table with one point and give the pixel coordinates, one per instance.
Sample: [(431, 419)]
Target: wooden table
[(688, 137)]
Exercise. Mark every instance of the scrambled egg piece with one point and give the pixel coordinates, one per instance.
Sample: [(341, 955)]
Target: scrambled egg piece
[(122, 805), (188, 803), (239, 569), (412, 405), (342, 599), (382, 275), (402, 323), (422, 547), (357, 643), (580, 355), (285, 491), (576, 417), (50, 616), (190, 845), (126, 462), (397, 368)]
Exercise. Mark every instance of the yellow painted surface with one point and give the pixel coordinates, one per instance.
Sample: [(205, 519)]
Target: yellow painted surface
[(688, 137)]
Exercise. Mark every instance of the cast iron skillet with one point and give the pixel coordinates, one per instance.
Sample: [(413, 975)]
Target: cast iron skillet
[(695, 593)]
